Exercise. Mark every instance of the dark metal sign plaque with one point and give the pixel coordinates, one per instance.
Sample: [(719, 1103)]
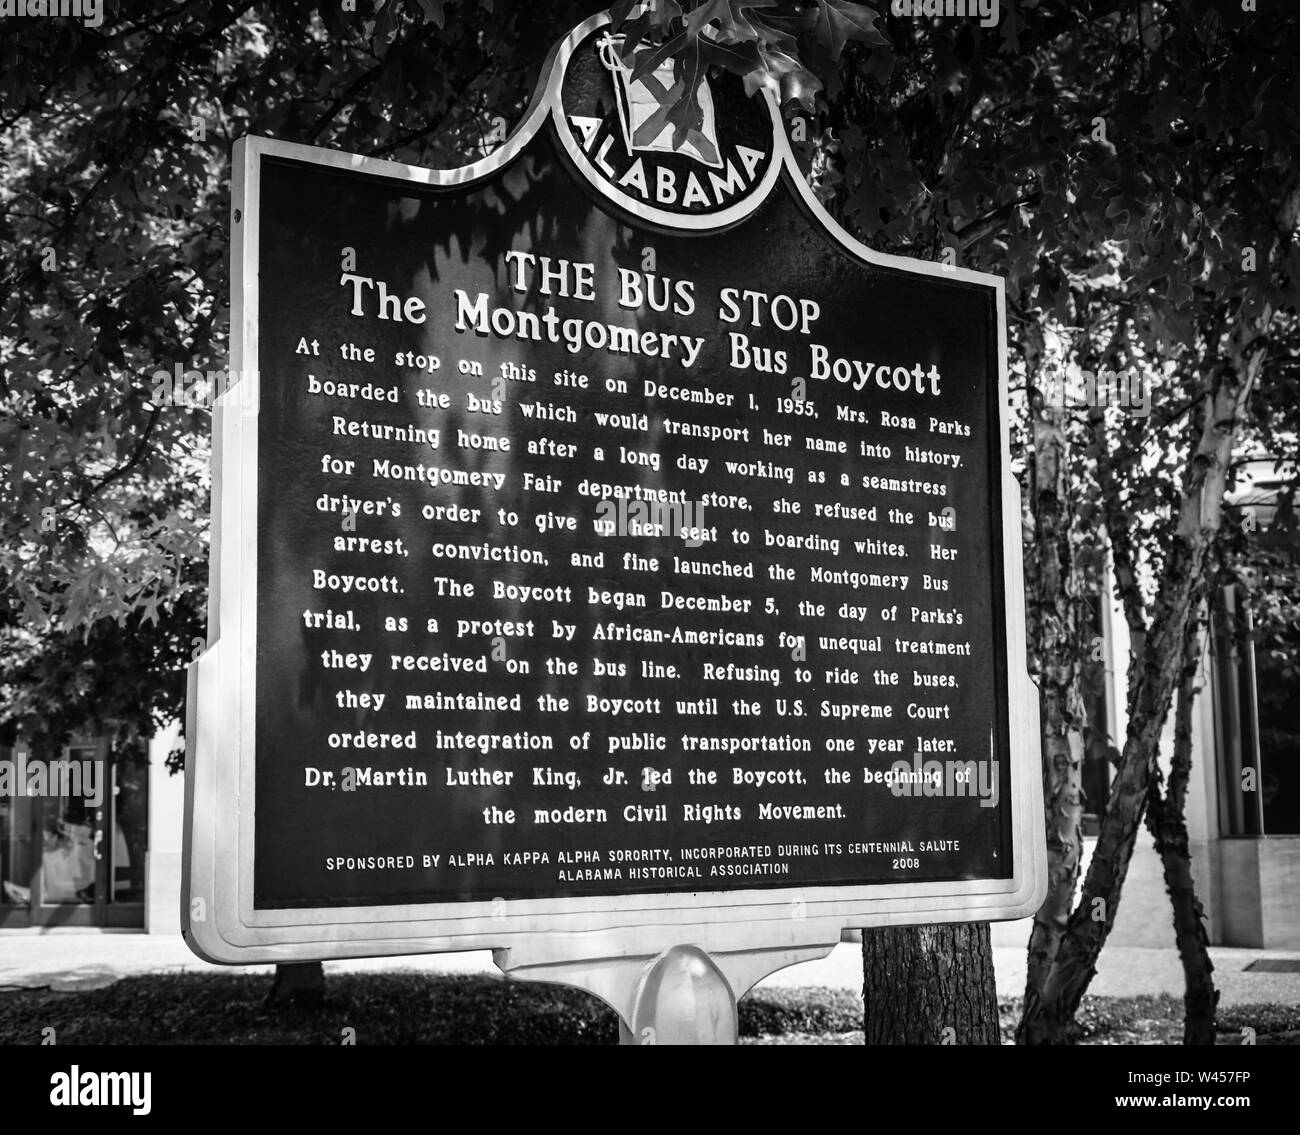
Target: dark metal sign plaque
[(605, 543)]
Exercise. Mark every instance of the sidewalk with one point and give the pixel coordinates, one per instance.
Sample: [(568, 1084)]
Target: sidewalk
[(67, 960)]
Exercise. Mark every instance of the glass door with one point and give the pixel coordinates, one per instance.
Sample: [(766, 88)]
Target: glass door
[(71, 885), (72, 847)]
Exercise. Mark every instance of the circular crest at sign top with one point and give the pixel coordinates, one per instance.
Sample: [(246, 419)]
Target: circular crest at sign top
[(614, 125)]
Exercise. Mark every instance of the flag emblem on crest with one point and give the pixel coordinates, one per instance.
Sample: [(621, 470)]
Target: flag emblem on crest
[(643, 109)]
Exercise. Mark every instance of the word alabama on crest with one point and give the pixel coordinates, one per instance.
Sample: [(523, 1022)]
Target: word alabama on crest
[(627, 146)]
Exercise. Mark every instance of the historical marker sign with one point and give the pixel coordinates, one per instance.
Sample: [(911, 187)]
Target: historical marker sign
[(613, 547)]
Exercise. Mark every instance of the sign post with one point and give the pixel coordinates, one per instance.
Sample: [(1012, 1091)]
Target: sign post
[(615, 566)]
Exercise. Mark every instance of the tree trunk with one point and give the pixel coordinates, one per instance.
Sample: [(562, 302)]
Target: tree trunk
[(1167, 824), (297, 985), (929, 985), (1053, 627), (1048, 1014)]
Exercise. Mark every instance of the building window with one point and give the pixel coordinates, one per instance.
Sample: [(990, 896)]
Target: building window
[(1277, 683), (1233, 687)]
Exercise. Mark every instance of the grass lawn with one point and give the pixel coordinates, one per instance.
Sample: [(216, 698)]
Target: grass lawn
[(405, 1008)]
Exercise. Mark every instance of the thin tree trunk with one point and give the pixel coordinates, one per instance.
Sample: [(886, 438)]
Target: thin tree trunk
[(1167, 824), (1047, 1014), (929, 985), (1053, 623)]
